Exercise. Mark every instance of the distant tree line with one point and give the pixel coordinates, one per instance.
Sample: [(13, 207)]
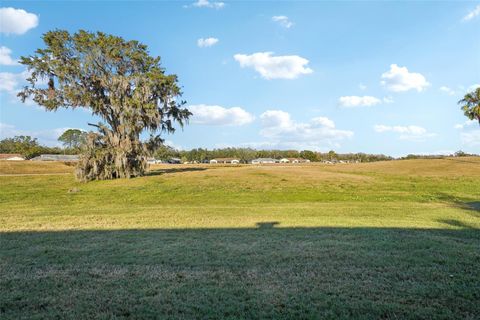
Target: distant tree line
[(247, 154), (459, 153), (74, 139), (29, 147)]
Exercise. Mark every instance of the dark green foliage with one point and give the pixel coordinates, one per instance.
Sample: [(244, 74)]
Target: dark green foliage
[(26, 146), (310, 155), (470, 105), (116, 80)]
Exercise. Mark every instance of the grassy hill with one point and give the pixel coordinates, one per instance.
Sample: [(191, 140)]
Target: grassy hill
[(397, 239)]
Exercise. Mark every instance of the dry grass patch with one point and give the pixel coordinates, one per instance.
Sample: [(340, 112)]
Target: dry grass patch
[(34, 167)]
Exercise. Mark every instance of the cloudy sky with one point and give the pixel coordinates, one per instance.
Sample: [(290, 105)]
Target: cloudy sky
[(377, 77)]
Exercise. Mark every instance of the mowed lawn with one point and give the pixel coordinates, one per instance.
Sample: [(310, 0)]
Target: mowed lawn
[(385, 240)]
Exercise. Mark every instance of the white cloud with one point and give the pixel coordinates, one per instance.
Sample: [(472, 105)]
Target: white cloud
[(16, 21), (399, 79), (473, 87), (173, 145), (9, 81), (274, 67), (467, 123), (46, 136), (11, 84), (206, 42), (471, 138), (357, 101), (472, 14), (412, 133), (208, 4), (283, 21), (217, 115), (388, 100), (283, 132), (362, 87), (5, 57), (447, 90)]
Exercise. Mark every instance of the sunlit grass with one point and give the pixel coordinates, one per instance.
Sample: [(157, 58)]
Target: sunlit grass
[(393, 239)]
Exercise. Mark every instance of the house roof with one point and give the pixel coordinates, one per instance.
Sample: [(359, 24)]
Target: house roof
[(57, 157), (265, 159), (295, 159), (225, 159), (10, 155)]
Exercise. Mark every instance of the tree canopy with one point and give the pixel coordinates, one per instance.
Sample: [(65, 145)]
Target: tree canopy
[(116, 80), (470, 105), (73, 138), (27, 146)]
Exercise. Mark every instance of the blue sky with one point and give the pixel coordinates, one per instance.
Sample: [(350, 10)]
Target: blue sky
[(376, 77)]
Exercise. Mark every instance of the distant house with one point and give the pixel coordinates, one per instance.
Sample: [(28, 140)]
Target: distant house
[(225, 160), (57, 157), (264, 161), (294, 160), (11, 157), (152, 160), (333, 161), (174, 161)]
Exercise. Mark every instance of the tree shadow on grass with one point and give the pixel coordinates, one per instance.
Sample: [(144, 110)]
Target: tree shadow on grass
[(456, 223), (473, 205), (157, 172), (457, 203), (267, 225), (264, 272)]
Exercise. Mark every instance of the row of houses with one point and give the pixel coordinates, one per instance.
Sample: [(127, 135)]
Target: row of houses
[(260, 160), (74, 158)]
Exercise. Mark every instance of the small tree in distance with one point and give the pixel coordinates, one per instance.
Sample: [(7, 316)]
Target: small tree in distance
[(73, 138), (470, 105), (116, 80)]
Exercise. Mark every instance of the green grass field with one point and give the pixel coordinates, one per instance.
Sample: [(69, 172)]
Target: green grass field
[(385, 240)]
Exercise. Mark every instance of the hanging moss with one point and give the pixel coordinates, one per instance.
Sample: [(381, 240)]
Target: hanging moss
[(119, 82)]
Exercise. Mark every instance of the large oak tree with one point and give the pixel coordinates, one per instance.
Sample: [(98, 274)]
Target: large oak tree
[(118, 81), (470, 105)]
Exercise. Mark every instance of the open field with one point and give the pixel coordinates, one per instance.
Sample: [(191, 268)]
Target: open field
[(388, 240)]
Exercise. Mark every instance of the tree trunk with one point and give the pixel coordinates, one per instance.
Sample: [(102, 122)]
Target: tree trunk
[(111, 156)]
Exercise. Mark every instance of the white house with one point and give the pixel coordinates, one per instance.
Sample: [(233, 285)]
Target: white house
[(225, 161), (11, 157), (294, 160), (264, 161), (152, 160)]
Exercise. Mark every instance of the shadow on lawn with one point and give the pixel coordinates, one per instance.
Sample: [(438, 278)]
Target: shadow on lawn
[(158, 172), (473, 205), (267, 225), (457, 223), (264, 272), (455, 202)]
